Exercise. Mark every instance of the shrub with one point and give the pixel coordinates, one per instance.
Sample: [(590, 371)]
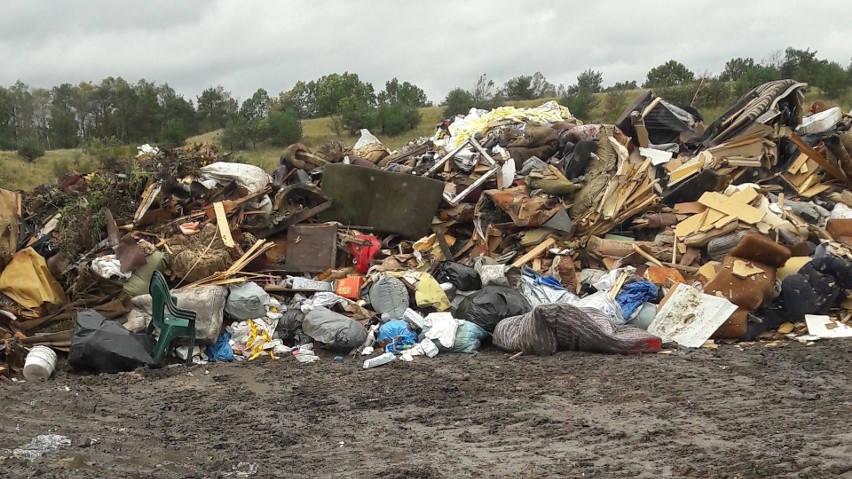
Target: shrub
[(29, 149)]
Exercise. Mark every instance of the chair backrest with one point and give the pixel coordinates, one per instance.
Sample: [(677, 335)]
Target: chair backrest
[(159, 290)]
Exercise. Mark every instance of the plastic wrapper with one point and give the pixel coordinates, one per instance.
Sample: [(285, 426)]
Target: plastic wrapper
[(539, 289), (633, 295), (221, 350), (108, 266), (604, 303)]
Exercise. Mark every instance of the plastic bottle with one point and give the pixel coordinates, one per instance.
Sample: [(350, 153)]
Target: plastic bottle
[(379, 360)]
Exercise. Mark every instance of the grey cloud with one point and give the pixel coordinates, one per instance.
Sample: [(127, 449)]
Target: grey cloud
[(438, 45)]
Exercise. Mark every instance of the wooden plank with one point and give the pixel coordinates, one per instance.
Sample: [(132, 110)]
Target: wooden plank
[(684, 172), (745, 196), (222, 224), (696, 222), (825, 164), (814, 190), (731, 206), (692, 207), (535, 252)]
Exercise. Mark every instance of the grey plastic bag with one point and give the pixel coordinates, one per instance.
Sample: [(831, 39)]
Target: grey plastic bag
[(334, 330), (247, 301)]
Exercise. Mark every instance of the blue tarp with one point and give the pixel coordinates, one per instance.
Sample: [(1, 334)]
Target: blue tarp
[(634, 295)]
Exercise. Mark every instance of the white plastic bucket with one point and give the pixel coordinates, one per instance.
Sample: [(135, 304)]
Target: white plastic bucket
[(40, 364)]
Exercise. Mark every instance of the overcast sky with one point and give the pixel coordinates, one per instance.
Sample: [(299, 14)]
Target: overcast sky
[(438, 45)]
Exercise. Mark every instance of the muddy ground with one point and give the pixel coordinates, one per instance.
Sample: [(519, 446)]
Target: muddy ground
[(756, 412)]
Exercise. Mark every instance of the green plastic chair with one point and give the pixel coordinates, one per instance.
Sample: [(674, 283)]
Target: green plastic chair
[(173, 322)]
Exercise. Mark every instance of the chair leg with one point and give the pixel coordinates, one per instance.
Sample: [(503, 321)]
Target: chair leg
[(191, 344), (166, 337)]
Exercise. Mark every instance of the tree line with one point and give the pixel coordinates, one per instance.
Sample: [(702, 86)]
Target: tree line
[(114, 110)]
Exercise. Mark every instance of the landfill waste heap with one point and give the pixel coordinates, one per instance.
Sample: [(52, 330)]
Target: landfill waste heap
[(521, 228)]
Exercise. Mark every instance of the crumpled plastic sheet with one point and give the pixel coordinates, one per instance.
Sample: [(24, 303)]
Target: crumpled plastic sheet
[(539, 289), (604, 303), (250, 177), (255, 337), (441, 327), (108, 266), (478, 121), (40, 445), (365, 139)]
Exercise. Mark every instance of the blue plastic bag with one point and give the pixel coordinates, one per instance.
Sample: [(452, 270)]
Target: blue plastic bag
[(221, 350), (398, 335), (634, 295)]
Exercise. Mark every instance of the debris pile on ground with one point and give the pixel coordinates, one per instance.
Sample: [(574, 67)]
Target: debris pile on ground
[(519, 227)]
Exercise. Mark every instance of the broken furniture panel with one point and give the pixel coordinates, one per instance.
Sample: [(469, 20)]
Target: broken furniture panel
[(311, 248)]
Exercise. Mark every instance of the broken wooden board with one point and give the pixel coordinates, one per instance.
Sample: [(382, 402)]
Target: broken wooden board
[(311, 248), (534, 253), (730, 206), (222, 224), (744, 269), (686, 171)]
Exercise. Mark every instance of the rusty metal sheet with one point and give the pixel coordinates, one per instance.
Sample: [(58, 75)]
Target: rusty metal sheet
[(311, 248)]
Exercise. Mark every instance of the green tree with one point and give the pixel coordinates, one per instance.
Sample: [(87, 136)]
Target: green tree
[(302, 98), (580, 97), (671, 73), (736, 67), (337, 93), (284, 127), (215, 106), (623, 86), (458, 102), (484, 92), (542, 88), (7, 120), (398, 107), (519, 88), (404, 93), (63, 120), (591, 81), (236, 134)]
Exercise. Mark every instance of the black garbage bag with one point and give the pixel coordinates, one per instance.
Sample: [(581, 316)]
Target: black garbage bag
[(462, 277), (492, 304), (290, 325), (104, 346), (335, 331)]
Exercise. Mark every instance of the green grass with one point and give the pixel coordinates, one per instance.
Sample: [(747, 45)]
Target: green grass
[(18, 174)]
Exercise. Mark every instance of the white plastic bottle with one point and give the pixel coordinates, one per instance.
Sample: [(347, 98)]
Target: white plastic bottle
[(379, 360)]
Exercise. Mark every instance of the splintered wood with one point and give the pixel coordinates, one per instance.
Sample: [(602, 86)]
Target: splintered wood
[(632, 192), (228, 276)]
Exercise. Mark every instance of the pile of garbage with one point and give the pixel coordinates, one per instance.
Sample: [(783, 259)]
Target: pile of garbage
[(521, 228)]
